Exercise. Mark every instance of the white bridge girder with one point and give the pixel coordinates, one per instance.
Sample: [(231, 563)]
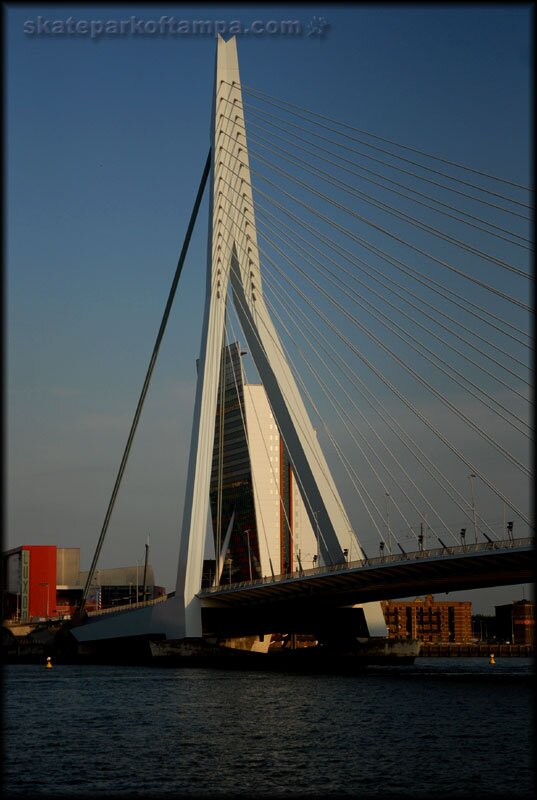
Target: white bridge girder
[(233, 256)]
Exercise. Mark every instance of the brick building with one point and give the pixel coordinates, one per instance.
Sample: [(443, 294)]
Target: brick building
[(428, 620), (515, 622)]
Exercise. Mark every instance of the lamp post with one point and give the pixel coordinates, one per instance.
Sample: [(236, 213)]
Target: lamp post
[(510, 531), (315, 514), (98, 601), (46, 587), (388, 525), (247, 532), (463, 536), (471, 479), (512, 624), (229, 562)]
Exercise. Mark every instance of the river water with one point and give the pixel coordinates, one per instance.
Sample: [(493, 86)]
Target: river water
[(443, 727)]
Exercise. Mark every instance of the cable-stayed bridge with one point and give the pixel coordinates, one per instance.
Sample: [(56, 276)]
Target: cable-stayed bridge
[(383, 294), (271, 603)]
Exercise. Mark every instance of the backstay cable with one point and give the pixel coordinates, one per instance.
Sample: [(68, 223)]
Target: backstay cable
[(147, 381)]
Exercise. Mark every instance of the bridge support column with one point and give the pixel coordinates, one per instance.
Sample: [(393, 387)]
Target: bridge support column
[(374, 617), (233, 253)]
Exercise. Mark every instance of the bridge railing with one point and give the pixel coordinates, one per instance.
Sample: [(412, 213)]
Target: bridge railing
[(140, 604), (390, 558)]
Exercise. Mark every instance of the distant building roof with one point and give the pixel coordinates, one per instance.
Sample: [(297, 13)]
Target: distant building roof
[(121, 576)]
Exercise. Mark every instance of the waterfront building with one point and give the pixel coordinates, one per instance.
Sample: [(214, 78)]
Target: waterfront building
[(29, 579), (45, 582), (429, 620), (259, 517), (515, 622), (484, 628), (120, 586)]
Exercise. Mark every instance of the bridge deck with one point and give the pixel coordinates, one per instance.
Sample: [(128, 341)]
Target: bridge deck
[(463, 567), (303, 602)]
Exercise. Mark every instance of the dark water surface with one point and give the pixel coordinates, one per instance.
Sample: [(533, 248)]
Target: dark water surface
[(444, 727)]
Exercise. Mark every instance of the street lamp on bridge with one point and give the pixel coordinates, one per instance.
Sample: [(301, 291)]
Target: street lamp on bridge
[(247, 532), (388, 524), (471, 479), (317, 533)]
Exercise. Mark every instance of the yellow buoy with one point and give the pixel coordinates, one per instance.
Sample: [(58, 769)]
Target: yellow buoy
[(491, 661), (48, 665)]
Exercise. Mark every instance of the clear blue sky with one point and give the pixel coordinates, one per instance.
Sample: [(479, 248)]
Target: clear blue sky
[(106, 140)]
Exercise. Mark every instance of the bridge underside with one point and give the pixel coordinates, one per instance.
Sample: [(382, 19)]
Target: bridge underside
[(303, 604), (318, 601)]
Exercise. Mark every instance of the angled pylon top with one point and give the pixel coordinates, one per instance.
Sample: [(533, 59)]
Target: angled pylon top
[(233, 257)]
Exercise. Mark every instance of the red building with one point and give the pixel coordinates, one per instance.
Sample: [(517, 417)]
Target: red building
[(45, 582), (29, 580)]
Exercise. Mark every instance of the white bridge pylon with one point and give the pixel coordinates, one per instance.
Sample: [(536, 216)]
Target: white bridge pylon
[(233, 261)]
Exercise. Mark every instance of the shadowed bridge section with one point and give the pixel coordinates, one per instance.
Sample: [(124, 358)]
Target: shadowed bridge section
[(296, 599)]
